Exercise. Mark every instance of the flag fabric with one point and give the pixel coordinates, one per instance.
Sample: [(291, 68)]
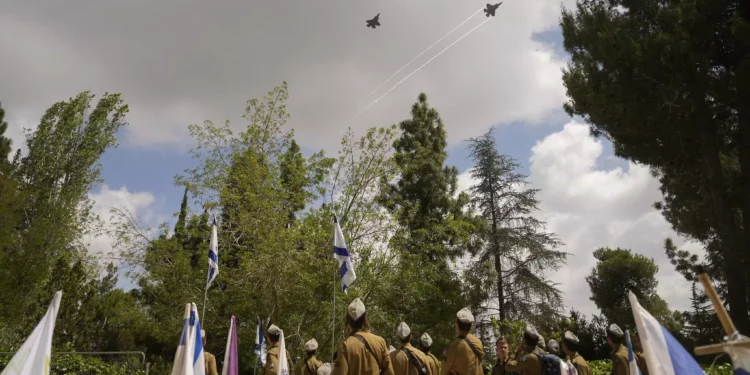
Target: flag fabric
[(188, 359), (341, 252), (740, 359), (213, 255), (632, 364), (283, 361), (260, 344), (664, 355), (35, 354), (231, 359)]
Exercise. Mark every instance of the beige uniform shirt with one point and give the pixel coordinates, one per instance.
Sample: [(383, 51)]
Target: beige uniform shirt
[(402, 365), (308, 367), (581, 365), (528, 364), (209, 361), (620, 361), (433, 364), (354, 358), (272, 360), (461, 359)]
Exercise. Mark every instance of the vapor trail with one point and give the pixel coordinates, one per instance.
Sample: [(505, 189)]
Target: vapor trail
[(423, 65), (423, 52)]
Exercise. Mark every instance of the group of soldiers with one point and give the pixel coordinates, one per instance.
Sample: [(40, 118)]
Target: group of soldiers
[(364, 353)]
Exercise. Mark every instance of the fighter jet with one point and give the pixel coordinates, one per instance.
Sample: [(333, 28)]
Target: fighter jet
[(490, 10), (373, 22)]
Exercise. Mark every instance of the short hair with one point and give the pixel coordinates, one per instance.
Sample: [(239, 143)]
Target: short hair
[(501, 340), (406, 339), (465, 327), (615, 339), (312, 352), (274, 338), (572, 346), (531, 340), (359, 324)]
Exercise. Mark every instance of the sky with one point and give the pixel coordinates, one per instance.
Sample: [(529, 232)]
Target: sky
[(180, 62)]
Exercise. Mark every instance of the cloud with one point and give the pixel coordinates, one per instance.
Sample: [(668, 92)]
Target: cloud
[(143, 205), (589, 207), (180, 62)]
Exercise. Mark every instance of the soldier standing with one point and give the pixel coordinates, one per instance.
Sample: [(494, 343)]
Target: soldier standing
[(208, 358), (425, 343), (639, 357), (272, 355), (619, 351), (311, 364), (362, 353), (527, 362), (465, 352), (570, 347), (407, 360), (503, 356)]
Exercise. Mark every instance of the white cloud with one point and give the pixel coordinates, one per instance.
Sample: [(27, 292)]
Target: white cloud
[(141, 204), (589, 207)]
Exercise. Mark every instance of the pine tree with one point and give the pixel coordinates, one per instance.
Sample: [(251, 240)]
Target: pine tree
[(179, 228), (5, 143), (293, 179), (516, 242)]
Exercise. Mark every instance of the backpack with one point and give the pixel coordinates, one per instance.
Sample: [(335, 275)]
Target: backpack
[(550, 363)]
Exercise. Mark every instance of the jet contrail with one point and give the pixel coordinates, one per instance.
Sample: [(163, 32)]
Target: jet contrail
[(423, 65), (423, 52)]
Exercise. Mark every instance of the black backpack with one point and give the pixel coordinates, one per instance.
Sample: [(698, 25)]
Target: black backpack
[(550, 363)]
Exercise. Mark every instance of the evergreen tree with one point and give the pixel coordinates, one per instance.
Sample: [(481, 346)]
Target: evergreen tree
[(179, 228), (514, 241), (5, 143), (293, 179)]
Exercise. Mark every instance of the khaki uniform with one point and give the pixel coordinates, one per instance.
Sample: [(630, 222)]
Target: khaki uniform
[(461, 359), (209, 361), (272, 359), (640, 359), (308, 367), (499, 368), (581, 365), (402, 365), (433, 364), (620, 361), (528, 364), (355, 359)]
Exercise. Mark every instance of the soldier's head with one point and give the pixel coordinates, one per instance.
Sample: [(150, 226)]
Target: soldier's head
[(425, 342), (570, 344), (637, 342), (464, 320), (311, 347), (614, 336), (403, 333), (273, 333), (356, 317), (530, 336), (203, 337), (553, 347), (501, 348), (540, 342)]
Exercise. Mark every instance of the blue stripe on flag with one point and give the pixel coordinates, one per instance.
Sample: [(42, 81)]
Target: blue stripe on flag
[(682, 361), (340, 251), (212, 256), (198, 344)]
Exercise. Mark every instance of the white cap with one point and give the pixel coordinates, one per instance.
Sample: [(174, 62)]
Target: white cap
[(311, 345), (274, 330), (465, 316), (356, 309), (325, 369), (203, 333), (426, 340), (403, 331)]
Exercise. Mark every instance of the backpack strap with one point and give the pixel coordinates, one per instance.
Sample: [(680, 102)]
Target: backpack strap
[(309, 368), (414, 361), (473, 348), (367, 345)]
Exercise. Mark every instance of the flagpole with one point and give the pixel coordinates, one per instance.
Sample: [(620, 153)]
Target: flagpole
[(205, 298), (333, 315)]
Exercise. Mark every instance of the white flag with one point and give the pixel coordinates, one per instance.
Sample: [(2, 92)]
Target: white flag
[(213, 255), (283, 362), (341, 252), (188, 360), (35, 354)]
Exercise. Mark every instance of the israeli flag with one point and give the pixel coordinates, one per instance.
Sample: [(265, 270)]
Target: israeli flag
[(664, 355), (213, 255), (188, 359), (341, 252), (283, 361), (632, 364), (35, 354), (260, 344), (740, 359)]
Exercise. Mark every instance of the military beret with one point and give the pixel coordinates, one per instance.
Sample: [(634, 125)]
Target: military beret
[(531, 332), (325, 369), (311, 345), (553, 346), (356, 309), (465, 316), (403, 331), (615, 331), (570, 337), (203, 333), (540, 343), (426, 340), (273, 330)]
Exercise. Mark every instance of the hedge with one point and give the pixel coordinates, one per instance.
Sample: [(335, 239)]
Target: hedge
[(604, 367), (71, 364)]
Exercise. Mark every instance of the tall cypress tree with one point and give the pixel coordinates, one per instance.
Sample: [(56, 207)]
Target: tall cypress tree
[(5, 143)]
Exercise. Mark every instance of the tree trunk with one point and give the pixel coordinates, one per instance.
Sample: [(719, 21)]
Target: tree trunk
[(731, 245), (498, 268)]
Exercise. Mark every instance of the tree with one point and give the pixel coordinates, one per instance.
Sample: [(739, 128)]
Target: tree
[(5, 143), (179, 228), (515, 242), (680, 110), (618, 271), (294, 179)]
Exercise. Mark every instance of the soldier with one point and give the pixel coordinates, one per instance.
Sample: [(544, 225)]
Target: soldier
[(526, 362), (570, 347), (408, 360), (639, 357), (425, 343), (503, 356), (540, 346), (325, 369), (619, 351), (311, 364), (208, 358), (465, 352), (272, 355), (362, 353)]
